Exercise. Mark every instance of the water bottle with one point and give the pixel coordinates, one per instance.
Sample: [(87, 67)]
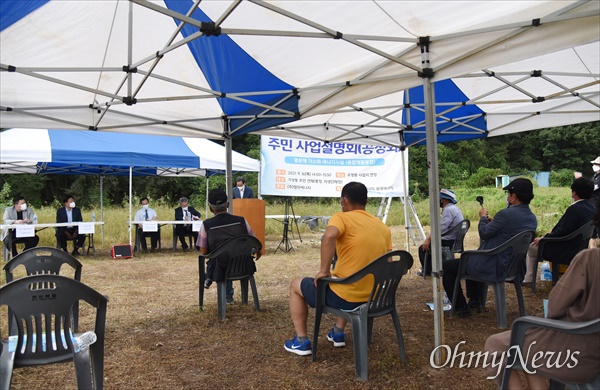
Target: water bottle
[(446, 302), (93, 216), (546, 274), (82, 342), (34, 221)]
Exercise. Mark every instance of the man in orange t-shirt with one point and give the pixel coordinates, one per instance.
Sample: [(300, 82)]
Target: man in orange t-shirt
[(359, 238)]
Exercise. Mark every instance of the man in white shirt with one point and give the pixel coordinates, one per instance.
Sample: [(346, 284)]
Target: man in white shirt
[(146, 214)]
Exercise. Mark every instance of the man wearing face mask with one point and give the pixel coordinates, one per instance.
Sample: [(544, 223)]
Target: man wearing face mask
[(69, 213), (185, 213), (241, 190), (146, 214), (493, 232), (18, 214), (577, 214), (451, 216), (596, 180)]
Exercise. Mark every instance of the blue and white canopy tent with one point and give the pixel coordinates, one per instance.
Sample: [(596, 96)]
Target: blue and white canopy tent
[(216, 69), (77, 152)]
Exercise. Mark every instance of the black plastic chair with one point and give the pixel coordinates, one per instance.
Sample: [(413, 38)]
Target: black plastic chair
[(517, 337), (461, 230), (577, 240), (240, 250), (387, 272), (517, 246), (44, 260), (138, 239), (41, 303)]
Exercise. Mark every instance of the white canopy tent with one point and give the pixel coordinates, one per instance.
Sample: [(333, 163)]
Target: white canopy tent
[(41, 151), (164, 67)]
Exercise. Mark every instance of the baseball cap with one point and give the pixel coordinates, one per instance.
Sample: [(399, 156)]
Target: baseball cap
[(447, 194), (596, 161), (520, 186), (217, 197)]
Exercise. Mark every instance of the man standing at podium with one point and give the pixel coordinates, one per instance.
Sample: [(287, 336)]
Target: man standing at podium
[(241, 190)]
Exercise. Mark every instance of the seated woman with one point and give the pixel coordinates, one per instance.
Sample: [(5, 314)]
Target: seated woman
[(576, 298)]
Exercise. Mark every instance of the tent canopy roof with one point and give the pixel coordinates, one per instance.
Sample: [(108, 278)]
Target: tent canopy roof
[(265, 64), (89, 152)]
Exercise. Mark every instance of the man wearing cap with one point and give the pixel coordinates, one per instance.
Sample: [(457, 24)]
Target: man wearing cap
[(596, 179), (451, 216), (185, 213), (214, 232), (241, 190), (493, 232), (577, 214)]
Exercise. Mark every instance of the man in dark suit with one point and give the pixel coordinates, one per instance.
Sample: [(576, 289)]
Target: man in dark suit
[(69, 213), (577, 214), (241, 190), (493, 232), (185, 213)]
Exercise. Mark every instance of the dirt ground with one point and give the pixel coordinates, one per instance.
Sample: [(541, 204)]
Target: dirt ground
[(158, 339)]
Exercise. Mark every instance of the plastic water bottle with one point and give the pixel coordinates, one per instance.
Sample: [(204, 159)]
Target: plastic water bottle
[(34, 219), (82, 342), (546, 274), (446, 302), (93, 216)]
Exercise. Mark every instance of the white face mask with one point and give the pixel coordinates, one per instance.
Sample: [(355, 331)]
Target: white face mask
[(72, 205), (145, 206), (23, 206), (596, 168), (184, 208)]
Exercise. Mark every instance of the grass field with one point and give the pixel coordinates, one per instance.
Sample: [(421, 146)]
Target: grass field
[(158, 339)]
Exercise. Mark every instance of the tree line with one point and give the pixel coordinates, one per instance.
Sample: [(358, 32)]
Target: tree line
[(473, 163)]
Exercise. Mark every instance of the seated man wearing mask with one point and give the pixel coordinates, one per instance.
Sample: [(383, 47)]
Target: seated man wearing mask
[(185, 213), (18, 214), (69, 213), (493, 232), (451, 216)]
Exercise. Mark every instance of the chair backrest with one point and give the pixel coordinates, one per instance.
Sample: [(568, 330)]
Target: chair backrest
[(520, 245), (387, 271), (577, 241), (41, 305), (42, 260), (239, 250), (461, 231)]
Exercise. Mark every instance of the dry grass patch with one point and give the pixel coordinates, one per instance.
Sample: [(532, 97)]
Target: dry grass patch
[(158, 339)]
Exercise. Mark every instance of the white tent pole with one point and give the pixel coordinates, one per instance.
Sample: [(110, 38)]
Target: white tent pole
[(404, 183), (228, 164), (206, 202), (434, 203), (102, 207), (130, 193)]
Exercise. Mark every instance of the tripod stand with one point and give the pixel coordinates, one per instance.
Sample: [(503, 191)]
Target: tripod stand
[(287, 227)]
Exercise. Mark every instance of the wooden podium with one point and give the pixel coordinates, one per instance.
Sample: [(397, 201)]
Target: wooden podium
[(254, 212)]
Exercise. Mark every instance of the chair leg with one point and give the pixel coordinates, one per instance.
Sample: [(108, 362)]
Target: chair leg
[(361, 347), (254, 293), (221, 298), (202, 278), (244, 290), (7, 360), (534, 278), (82, 369), (555, 273), (399, 336), (318, 315), (519, 292), (369, 329), (500, 295)]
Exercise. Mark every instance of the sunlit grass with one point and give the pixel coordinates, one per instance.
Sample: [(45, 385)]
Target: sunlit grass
[(548, 205)]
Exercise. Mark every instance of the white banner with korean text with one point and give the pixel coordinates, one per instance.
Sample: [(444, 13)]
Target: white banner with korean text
[(297, 167)]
